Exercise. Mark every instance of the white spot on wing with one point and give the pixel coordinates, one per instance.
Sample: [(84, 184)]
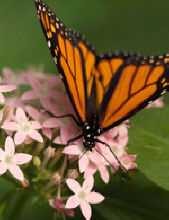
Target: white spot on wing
[(49, 43)]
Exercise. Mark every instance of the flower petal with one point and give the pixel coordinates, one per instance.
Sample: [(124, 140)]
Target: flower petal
[(95, 198), (36, 124), (7, 88), (36, 136), (30, 95), (20, 115), (73, 185), (12, 126), (86, 210), (19, 138), (1, 153), (3, 168), (22, 158), (88, 183), (16, 172), (72, 202), (9, 146), (104, 173), (2, 99), (83, 163), (71, 150), (47, 132), (51, 123)]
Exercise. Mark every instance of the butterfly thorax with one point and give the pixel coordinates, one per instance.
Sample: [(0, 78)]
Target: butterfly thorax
[(91, 130)]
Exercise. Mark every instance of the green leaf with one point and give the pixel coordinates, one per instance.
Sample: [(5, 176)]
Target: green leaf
[(149, 139)]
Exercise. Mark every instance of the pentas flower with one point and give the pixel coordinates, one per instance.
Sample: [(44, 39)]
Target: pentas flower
[(44, 91), (10, 160), (83, 196), (5, 88), (11, 77), (23, 127), (40, 116)]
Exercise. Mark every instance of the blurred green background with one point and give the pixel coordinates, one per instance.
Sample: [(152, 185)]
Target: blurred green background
[(129, 25)]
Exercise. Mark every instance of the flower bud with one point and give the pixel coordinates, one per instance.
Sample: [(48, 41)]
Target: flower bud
[(49, 152), (36, 161), (7, 113), (73, 174), (25, 183), (55, 179)]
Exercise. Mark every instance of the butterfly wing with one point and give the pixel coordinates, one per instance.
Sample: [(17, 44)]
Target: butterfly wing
[(136, 82), (73, 55)]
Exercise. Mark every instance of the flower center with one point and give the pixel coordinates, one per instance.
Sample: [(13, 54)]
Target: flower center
[(43, 91), (8, 159), (25, 127), (126, 162), (82, 195)]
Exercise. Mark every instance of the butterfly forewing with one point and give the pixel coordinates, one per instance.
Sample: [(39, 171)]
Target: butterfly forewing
[(68, 56)]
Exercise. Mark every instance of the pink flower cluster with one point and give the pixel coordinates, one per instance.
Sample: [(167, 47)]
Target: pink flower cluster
[(25, 120)]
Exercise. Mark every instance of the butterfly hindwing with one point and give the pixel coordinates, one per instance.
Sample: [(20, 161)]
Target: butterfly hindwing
[(138, 82)]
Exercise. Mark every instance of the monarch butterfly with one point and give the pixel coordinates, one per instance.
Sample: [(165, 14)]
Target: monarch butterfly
[(104, 90)]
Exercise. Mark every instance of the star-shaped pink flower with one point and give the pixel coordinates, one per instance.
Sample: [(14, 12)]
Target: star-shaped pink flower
[(10, 160), (23, 128), (83, 196)]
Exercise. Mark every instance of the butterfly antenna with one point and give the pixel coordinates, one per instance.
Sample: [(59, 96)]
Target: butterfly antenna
[(101, 142), (75, 166), (110, 164)]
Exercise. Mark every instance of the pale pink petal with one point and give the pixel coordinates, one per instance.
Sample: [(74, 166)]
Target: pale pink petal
[(36, 136), (36, 125), (51, 123), (9, 146), (1, 153), (104, 173), (133, 166), (2, 99), (30, 95), (7, 72), (7, 88), (58, 140), (95, 198), (12, 126), (16, 172), (72, 202), (132, 157), (91, 169), (22, 158), (33, 112), (20, 115), (73, 185), (47, 132), (3, 168), (86, 210), (71, 150), (95, 158), (19, 138), (83, 163), (88, 183)]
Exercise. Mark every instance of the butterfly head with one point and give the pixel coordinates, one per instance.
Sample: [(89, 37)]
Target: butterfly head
[(91, 131)]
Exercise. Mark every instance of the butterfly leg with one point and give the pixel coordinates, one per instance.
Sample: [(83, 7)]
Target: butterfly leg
[(64, 116), (74, 139), (101, 142)]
